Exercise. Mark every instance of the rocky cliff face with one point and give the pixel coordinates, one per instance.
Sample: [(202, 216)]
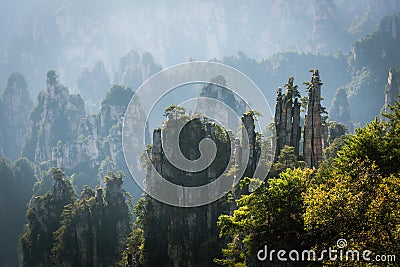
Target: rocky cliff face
[(287, 118), (375, 11), (313, 143), (15, 109), (326, 30), (340, 109), (93, 84), (392, 89), (94, 229), (371, 58), (43, 220), (62, 134), (135, 69), (222, 94), (109, 132), (175, 236), (90, 231), (54, 120), (379, 48)]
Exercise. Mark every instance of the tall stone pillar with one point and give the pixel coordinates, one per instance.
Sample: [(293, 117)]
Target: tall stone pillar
[(287, 118), (392, 89), (295, 142), (279, 127), (313, 124)]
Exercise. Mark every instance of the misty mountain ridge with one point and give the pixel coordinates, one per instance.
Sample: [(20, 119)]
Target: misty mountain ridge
[(64, 37), (68, 75)]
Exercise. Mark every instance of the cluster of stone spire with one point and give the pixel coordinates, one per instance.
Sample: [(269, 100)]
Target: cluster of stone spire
[(287, 121), (287, 118)]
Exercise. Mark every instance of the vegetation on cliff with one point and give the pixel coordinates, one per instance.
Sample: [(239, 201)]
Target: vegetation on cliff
[(63, 230), (354, 196)]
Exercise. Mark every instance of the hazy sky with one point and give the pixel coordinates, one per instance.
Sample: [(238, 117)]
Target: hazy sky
[(67, 35)]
